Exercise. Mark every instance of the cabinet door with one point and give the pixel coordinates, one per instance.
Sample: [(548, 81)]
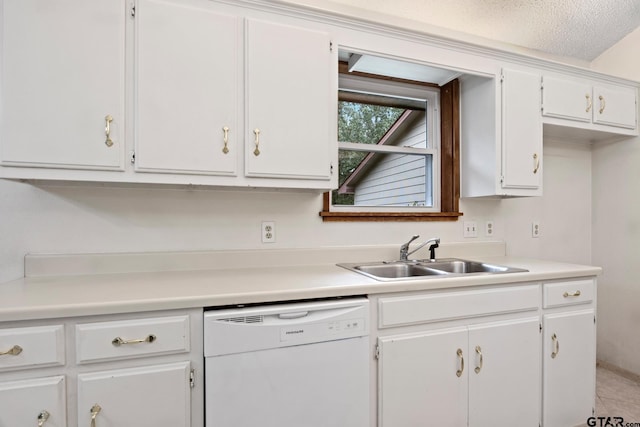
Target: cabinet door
[(63, 74), (504, 373), (569, 368), (615, 106), (24, 403), (567, 99), (521, 131), (422, 379), (187, 88), (148, 396), (291, 118)]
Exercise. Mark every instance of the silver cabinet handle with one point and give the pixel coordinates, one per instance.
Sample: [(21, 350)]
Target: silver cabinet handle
[(13, 351), (95, 410), (117, 341), (537, 162), (225, 149), (461, 359), (479, 367), (573, 294), (256, 152), (603, 104), (589, 103), (556, 346), (107, 130), (43, 416)]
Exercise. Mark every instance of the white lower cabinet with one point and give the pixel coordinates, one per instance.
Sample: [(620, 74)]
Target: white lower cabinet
[(33, 402), (104, 371), (569, 352), (423, 380), (157, 395), (569, 368), (477, 375)]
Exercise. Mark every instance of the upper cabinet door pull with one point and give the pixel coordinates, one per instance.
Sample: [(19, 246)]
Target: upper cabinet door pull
[(573, 294), (603, 104), (225, 149), (117, 341), (95, 410), (256, 152), (107, 130), (589, 103), (13, 351), (537, 162), (43, 416)]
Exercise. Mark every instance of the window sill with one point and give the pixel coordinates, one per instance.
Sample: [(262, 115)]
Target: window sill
[(389, 216)]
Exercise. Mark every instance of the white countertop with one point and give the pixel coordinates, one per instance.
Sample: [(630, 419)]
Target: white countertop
[(68, 295)]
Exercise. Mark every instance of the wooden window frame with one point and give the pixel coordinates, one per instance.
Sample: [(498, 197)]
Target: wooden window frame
[(449, 165)]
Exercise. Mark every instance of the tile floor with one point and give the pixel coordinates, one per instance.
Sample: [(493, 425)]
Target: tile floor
[(617, 396)]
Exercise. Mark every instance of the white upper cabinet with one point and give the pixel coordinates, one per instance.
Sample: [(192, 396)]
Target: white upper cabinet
[(501, 135), (291, 104), (521, 132), (589, 102), (63, 84), (187, 71)]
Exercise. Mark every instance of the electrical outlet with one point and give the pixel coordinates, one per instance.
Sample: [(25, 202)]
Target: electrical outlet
[(268, 232), (488, 228), (470, 229), (535, 229)]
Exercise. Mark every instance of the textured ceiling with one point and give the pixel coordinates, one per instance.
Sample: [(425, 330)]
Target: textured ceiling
[(581, 29)]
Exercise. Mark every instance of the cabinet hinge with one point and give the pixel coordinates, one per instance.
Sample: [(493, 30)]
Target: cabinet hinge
[(501, 78), (540, 327), (133, 157), (192, 378), (594, 320), (331, 168), (501, 179), (132, 11), (377, 355), (330, 46)]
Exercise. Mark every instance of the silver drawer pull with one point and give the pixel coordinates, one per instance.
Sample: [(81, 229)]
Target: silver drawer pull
[(573, 294), (13, 351), (43, 416), (117, 341)]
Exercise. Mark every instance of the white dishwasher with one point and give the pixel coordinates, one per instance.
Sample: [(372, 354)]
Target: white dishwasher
[(288, 365)]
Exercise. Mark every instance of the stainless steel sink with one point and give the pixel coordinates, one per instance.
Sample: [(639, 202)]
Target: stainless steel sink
[(395, 270), (423, 269)]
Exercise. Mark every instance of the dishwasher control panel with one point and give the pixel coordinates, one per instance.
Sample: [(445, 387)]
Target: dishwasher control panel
[(255, 328)]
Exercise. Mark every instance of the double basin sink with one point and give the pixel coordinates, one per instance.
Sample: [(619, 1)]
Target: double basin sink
[(423, 269)]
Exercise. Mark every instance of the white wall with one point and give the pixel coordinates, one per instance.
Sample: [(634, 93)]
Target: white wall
[(96, 218), (616, 224)]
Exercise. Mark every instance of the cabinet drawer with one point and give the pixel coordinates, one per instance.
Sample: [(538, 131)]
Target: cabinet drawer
[(131, 338), (31, 347), (568, 293), (409, 310)]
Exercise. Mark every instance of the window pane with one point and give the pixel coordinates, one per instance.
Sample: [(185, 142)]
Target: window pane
[(385, 179), (365, 123)]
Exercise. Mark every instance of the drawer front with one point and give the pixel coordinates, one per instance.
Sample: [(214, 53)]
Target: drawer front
[(128, 339), (31, 347), (568, 293), (398, 311)]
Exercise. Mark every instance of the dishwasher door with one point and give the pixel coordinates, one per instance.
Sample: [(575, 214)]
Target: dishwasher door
[(290, 365)]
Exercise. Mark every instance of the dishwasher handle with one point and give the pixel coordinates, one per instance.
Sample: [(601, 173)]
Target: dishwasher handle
[(294, 315)]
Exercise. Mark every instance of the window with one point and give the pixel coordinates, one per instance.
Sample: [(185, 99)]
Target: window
[(398, 150)]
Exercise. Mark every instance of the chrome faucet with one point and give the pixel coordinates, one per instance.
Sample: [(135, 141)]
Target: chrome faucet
[(404, 249)]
